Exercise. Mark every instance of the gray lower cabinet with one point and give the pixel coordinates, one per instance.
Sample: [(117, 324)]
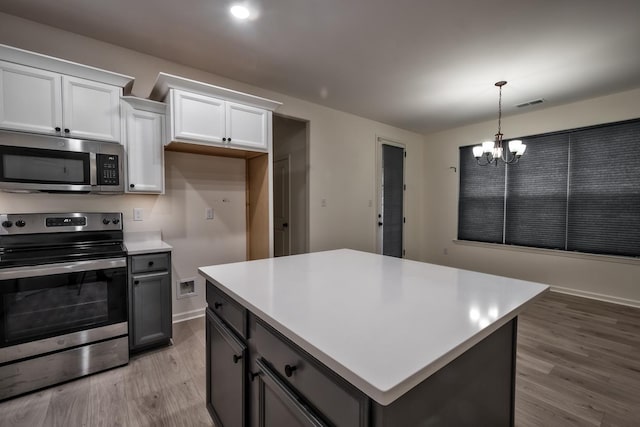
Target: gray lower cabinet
[(256, 377), (149, 300), (226, 362)]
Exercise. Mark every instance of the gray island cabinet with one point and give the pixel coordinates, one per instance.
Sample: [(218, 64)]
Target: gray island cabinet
[(347, 338)]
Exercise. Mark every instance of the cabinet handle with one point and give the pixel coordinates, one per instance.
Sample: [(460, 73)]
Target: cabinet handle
[(150, 263), (289, 370), (67, 131), (236, 358), (58, 129), (229, 139), (253, 375), (217, 305), (136, 282), (224, 139), (132, 185)]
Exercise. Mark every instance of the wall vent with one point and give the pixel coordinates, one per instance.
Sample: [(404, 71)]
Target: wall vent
[(528, 103)]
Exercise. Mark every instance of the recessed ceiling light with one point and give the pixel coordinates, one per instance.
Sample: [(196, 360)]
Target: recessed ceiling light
[(239, 11)]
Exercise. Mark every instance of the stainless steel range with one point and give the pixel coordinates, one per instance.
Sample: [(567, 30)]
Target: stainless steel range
[(63, 298)]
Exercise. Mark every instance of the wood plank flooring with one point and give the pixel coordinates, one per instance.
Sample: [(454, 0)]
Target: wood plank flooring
[(578, 365)]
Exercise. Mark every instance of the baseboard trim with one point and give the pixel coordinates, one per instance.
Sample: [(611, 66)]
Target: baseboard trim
[(188, 315), (596, 296)]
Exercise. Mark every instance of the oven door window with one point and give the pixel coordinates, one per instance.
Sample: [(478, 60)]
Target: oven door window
[(38, 166), (41, 307)]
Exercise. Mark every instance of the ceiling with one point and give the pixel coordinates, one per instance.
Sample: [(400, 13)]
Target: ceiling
[(422, 65)]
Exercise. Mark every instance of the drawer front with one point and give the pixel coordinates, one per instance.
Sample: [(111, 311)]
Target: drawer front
[(149, 263), (227, 309), (335, 399)]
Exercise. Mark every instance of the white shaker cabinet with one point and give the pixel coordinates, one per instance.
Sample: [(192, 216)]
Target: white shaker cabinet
[(197, 117), (206, 119), (40, 101), (90, 110), (30, 99), (247, 126), (144, 124)]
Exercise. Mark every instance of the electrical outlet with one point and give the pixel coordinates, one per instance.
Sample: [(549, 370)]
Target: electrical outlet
[(208, 213), (323, 203), (186, 288), (137, 214)]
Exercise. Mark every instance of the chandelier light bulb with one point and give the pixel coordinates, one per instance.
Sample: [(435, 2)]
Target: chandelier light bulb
[(478, 151), (514, 145), (487, 146)]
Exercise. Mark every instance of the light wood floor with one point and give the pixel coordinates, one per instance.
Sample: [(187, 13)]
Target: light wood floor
[(578, 364)]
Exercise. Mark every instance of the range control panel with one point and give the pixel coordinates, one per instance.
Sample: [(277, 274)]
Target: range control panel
[(31, 223)]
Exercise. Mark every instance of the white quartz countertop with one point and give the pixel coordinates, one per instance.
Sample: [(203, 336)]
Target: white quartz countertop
[(384, 324), (145, 242)]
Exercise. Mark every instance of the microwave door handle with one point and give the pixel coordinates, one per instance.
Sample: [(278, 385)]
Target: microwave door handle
[(93, 170)]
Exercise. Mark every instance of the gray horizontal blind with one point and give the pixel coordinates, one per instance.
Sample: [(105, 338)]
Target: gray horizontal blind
[(481, 204), (604, 190), (536, 207)]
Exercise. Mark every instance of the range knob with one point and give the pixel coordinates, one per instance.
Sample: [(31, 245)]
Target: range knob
[(20, 223), (115, 220), (106, 221), (7, 224)]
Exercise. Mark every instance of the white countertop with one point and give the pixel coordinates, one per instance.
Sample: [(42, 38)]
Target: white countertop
[(145, 242), (384, 324)]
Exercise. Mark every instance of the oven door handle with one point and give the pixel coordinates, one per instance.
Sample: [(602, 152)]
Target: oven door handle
[(61, 268)]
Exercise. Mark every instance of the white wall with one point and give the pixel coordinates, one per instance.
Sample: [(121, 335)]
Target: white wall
[(341, 156), (595, 276)]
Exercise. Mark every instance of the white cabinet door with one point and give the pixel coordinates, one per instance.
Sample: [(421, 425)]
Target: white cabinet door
[(144, 144), (197, 118), (91, 110), (30, 99), (247, 127)]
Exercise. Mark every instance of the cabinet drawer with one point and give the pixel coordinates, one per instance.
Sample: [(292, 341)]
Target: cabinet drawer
[(227, 309), (336, 400), (149, 263)]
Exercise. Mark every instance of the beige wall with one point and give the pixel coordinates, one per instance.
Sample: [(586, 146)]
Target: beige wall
[(341, 155), (595, 276)]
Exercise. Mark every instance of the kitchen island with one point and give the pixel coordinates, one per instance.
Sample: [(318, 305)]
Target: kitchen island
[(357, 339)]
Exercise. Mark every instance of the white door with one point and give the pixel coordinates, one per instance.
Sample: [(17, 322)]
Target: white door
[(91, 110), (30, 99), (197, 117), (281, 208), (390, 220), (247, 126), (144, 152)]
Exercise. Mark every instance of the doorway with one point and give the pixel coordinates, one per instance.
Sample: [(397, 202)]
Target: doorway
[(290, 185), (391, 188), (281, 207)]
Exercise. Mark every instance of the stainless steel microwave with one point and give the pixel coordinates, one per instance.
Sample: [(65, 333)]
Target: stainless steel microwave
[(41, 163)]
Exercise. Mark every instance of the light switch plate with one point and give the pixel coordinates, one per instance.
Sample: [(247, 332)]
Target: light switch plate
[(137, 214), (208, 213)]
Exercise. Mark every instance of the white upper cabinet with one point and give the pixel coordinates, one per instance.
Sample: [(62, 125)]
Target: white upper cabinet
[(210, 120), (43, 94), (144, 144), (90, 110), (202, 116), (247, 126), (197, 117), (30, 99)]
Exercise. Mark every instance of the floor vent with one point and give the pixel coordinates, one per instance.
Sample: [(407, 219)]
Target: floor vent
[(528, 103)]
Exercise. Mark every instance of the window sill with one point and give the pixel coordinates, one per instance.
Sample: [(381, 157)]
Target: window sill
[(554, 252)]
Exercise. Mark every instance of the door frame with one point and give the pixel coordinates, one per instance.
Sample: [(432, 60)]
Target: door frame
[(378, 230)]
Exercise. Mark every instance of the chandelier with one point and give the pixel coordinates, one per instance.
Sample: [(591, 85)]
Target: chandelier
[(492, 151)]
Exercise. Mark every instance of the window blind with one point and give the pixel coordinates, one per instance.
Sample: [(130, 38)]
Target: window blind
[(604, 190), (481, 204), (536, 205), (577, 190)]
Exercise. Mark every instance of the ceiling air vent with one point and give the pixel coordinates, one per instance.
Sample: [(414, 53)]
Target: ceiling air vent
[(529, 103)]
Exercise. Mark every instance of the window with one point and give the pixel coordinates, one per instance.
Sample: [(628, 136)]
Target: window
[(575, 190)]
